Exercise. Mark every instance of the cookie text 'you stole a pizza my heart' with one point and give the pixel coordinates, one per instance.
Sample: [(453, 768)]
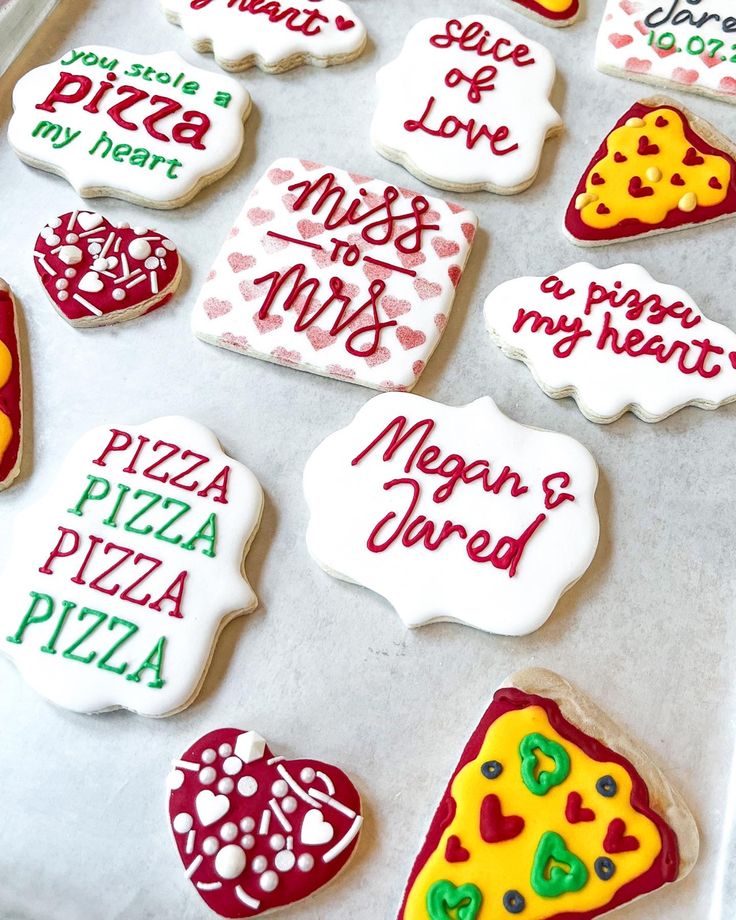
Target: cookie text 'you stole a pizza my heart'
[(456, 514), (151, 129), (120, 580)]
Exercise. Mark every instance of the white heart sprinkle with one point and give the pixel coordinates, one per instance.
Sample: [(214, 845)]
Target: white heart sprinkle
[(91, 283), (211, 807), (88, 220), (315, 830)]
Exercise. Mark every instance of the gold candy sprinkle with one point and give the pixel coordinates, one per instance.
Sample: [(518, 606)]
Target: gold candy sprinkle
[(583, 199), (635, 123), (688, 202), (654, 174)]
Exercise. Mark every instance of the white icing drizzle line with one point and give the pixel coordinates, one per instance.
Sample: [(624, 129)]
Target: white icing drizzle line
[(191, 837), (209, 886), (138, 280), (108, 243), (328, 800), (343, 844), (126, 267), (247, 899), (282, 819), (72, 220), (89, 233), (289, 843), (193, 866), (296, 787), (274, 760), (329, 785), (44, 264), (154, 283), (265, 822), (118, 241), (185, 764), (87, 305)]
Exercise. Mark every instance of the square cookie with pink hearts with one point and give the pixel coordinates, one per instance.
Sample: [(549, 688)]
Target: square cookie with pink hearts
[(274, 35), (686, 44), (337, 274)]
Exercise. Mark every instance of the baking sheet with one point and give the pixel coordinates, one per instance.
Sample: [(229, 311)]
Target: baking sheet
[(324, 668)]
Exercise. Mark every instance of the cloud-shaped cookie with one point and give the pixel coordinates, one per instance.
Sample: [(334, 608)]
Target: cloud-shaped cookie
[(152, 129), (465, 106), (272, 36), (456, 514), (120, 579), (616, 340)]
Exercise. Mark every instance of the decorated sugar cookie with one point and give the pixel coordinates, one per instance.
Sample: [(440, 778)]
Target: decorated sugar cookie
[(11, 401), (686, 44), (457, 514), (466, 105), (550, 813), (338, 274), (96, 273), (616, 340), (661, 168), (149, 128), (120, 580), (275, 36), (550, 12), (254, 831)]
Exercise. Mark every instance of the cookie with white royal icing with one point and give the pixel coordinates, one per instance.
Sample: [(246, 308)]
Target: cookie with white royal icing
[(11, 390), (457, 514), (275, 36), (465, 106), (616, 340), (551, 813), (686, 44), (148, 128), (256, 832), (96, 273), (338, 274), (120, 580)]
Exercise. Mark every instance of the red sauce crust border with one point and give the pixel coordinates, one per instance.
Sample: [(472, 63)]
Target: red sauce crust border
[(10, 394)]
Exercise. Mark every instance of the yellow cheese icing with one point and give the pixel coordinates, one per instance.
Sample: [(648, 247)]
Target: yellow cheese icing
[(555, 6), (6, 364), (496, 868), (6, 433), (655, 171)]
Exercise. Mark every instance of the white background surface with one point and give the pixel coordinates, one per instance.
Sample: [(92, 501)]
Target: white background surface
[(323, 668)]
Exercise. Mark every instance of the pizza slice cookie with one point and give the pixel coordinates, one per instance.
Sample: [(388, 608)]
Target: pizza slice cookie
[(11, 410), (661, 168), (555, 13), (550, 814)]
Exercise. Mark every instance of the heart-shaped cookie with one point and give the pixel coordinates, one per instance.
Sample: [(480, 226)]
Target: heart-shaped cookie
[(96, 273), (256, 832)]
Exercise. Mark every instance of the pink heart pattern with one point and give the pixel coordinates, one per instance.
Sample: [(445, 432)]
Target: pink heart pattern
[(326, 271), (256, 832), (672, 53), (96, 273)]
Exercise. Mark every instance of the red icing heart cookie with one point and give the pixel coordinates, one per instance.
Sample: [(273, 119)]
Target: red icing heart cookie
[(257, 832), (11, 429), (96, 273)]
